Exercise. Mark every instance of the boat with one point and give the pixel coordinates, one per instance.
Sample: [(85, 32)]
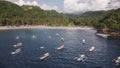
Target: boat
[(41, 47), (33, 36), (16, 51), (18, 44), (83, 41), (17, 37), (61, 47), (117, 61), (102, 35), (81, 58), (62, 39), (49, 37), (44, 56), (92, 49), (57, 34)]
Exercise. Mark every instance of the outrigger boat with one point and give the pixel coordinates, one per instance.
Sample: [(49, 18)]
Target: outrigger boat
[(92, 49), (83, 41), (17, 37), (16, 51), (44, 56), (81, 58), (62, 39), (117, 61), (34, 37), (61, 47), (18, 44)]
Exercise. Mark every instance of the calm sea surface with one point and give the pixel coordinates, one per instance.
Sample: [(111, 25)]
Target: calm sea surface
[(102, 57)]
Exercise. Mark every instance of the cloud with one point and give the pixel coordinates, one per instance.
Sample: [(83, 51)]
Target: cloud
[(47, 7), (35, 3), (75, 6), (22, 2)]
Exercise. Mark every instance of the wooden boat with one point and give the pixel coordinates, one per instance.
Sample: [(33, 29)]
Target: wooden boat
[(34, 37), (81, 58), (83, 41), (17, 37), (92, 49), (41, 47), (16, 51), (18, 44), (62, 39), (117, 61), (61, 47), (44, 56)]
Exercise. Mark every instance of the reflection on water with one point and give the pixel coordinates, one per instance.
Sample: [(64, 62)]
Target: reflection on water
[(105, 50)]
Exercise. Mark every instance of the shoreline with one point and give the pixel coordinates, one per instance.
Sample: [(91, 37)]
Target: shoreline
[(43, 27)]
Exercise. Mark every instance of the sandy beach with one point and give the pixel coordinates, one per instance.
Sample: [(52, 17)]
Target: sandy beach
[(43, 27)]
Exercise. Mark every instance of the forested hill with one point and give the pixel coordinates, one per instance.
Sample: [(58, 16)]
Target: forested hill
[(12, 14), (10, 10), (111, 21)]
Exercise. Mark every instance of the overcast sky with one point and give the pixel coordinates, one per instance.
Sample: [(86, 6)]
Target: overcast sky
[(71, 6)]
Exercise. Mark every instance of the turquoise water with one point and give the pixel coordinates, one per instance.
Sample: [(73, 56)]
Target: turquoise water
[(105, 50)]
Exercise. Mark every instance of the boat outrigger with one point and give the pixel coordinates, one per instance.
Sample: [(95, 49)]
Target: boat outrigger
[(44, 56), (61, 47)]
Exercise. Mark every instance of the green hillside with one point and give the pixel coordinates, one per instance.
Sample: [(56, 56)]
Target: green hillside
[(111, 21), (14, 15), (10, 10)]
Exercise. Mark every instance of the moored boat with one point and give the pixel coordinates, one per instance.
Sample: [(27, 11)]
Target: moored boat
[(41, 47), (92, 49), (61, 47), (44, 56), (16, 51), (81, 58), (117, 61), (62, 39), (18, 44), (17, 37), (34, 37), (83, 41)]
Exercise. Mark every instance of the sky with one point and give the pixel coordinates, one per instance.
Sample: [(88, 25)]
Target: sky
[(71, 6)]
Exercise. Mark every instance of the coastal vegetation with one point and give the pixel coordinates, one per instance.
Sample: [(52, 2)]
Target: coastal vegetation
[(14, 15)]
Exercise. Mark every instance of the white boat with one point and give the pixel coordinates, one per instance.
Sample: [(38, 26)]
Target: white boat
[(17, 37), (81, 58), (16, 51), (83, 41), (61, 47), (62, 39), (92, 49), (41, 47), (44, 56), (102, 35), (57, 34), (18, 44), (49, 37), (117, 61), (33, 36)]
